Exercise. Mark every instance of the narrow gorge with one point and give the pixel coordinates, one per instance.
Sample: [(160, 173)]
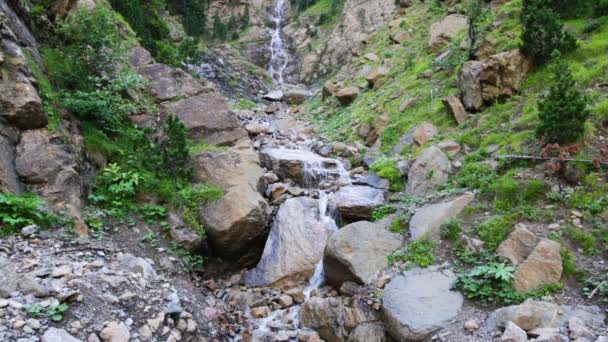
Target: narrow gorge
[(303, 170)]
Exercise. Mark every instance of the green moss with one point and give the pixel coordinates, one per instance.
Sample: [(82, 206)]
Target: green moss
[(245, 104), (387, 169)]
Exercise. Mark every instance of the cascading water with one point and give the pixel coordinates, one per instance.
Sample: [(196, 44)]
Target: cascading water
[(279, 56)]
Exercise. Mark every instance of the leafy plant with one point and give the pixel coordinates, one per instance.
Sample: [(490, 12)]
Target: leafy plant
[(494, 230), (19, 211), (382, 212), (398, 225), (54, 313), (451, 230), (387, 169), (419, 252), (152, 213), (489, 284), (597, 286), (191, 261), (116, 189), (564, 111)]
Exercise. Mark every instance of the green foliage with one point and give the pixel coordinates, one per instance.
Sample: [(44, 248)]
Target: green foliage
[(419, 252), (19, 211), (190, 198), (476, 14), (152, 213), (569, 265), (387, 169), (116, 189), (511, 195), (564, 111), (584, 239), (54, 312), (599, 285), (489, 284), (192, 262), (174, 152), (542, 33), (494, 230), (451, 230), (398, 225), (245, 104), (382, 212), (220, 31)]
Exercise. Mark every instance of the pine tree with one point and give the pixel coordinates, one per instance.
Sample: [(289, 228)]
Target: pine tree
[(174, 148), (564, 111), (220, 31), (195, 17), (476, 14), (543, 33)]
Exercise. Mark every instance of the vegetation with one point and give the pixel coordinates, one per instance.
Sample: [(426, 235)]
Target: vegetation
[(54, 312), (382, 212), (494, 230), (419, 252), (387, 169), (19, 211)]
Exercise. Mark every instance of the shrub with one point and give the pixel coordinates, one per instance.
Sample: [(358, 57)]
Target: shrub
[(451, 230), (174, 152), (116, 189), (382, 212), (489, 284), (19, 211), (398, 225), (494, 230), (387, 169), (564, 111), (542, 32), (419, 252)]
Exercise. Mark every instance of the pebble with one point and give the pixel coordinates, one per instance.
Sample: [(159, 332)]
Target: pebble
[(471, 325)]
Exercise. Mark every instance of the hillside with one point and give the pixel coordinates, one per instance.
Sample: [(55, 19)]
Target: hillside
[(303, 170)]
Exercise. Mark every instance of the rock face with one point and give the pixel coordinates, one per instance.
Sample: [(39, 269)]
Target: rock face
[(430, 170), (183, 234), (419, 302), (242, 214), (322, 315), (498, 76), (427, 221), (356, 201), (207, 117), (368, 332), (444, 31), (518, 245), (21, 106), (357, 252), (300, 166), (9, 180), (295, 244), (543, 266), (168, 82), (513, 333)]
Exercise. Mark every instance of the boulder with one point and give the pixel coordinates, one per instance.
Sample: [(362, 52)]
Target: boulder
[(168, 83), (518, 245), (579, 331), (9, 180), (295, 244), (208, 118), (9, 279), (543, 266), (449, 147), (329, 89), (500, 75), (374, 181), (357, 252), (242, 214), (529, 315), (58, 335), (139, 56), (115, 332), (274, 96), (430, 170), (513, 333), (183, 234), (376, 77), (368, 332), (133, 264), (21, 106), (376, 129), (442, 32), (418, 135), (455, 109), (296, 96), (347, 95), (400, 37), (419, 302), (427, 221), (302, 167), (357, 201), (321, 315)]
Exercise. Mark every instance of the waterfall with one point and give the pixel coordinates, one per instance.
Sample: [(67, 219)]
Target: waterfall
[(279, 56)]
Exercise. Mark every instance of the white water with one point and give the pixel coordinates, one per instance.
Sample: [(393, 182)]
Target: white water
[(279, 56)]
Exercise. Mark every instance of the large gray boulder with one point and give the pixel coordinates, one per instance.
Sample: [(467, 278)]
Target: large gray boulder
[(295, 244), (208, 118), (420, 302), (241, 215), (443, 31), (427, 221), (300, 166), (430, 170), (357, 201), (335, 319), (21, 106), (168, 83), (358, 251), (500, 75)]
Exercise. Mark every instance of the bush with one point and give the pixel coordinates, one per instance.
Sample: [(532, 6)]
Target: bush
[(116, 189), (542, 32), (387, 169), (489, 284), (451, 230), (419, 252), (494, 230), (174, 152), (564, 111), (382, 212), (19, 211)]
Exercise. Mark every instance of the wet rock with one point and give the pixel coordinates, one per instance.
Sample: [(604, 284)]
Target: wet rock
[(208, 118), (376, 77), (357, 252), (181, 233), (21, 105), (347, 95), (115, 332), (543, 266), (427, 221), (9, 279), (296, 96), (420, 302), (356, 201), (498, 76), (58, 335), (321, 314), (518, 245), (242, 214), (513, 333), (529, 315), (456, 109), (275, 96), (368, 332), (168, 83), (295, 244), (300, 166), (430, 170), (444, 31)]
